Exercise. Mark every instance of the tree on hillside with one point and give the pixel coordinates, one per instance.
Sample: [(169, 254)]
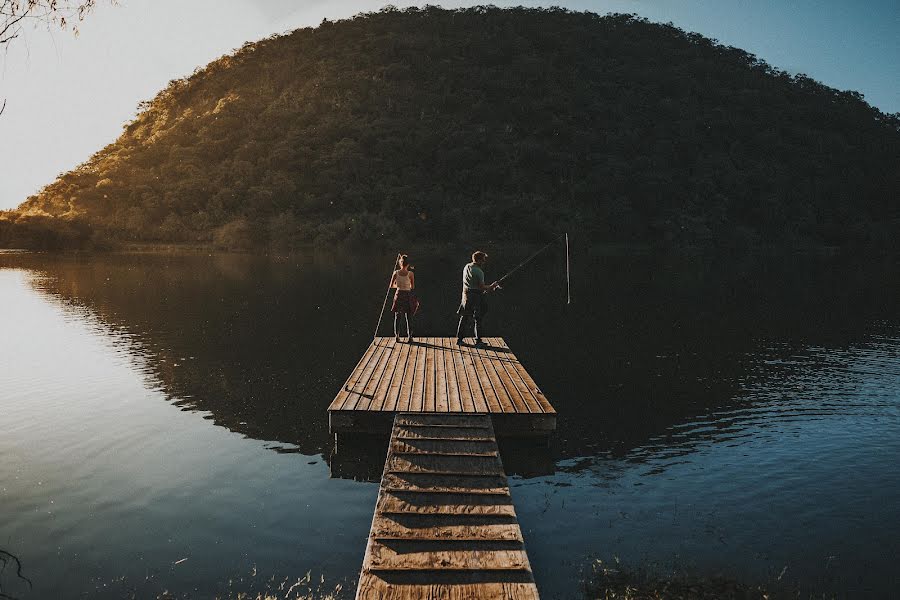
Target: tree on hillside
[(16, 14)]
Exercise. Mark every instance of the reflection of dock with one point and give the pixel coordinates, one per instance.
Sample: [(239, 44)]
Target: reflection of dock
[(445, 525), (436, 375)]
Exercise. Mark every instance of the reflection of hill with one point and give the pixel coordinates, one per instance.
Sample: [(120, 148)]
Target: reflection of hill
[(648, 345), (258, 344)]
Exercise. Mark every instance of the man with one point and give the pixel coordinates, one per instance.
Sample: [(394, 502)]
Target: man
[(473, 305)]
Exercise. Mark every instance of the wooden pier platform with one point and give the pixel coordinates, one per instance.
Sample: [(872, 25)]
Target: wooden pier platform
[(434, 375), (444, 525)]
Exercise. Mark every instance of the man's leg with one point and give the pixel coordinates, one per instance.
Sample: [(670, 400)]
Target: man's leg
[(477, 319), (460, 329)]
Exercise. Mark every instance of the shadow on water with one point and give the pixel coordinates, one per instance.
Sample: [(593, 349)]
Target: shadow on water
[(361, 457)]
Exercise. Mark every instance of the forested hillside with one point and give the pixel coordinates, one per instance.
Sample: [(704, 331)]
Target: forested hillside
[(435, 125)]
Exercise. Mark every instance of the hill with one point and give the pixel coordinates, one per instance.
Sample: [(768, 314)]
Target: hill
[(484, 123)]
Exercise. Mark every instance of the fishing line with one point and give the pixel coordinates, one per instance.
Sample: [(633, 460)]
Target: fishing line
[(386, 294), (533, 256)]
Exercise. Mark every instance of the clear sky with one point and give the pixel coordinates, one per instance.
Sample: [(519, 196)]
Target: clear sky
[(68, 97)]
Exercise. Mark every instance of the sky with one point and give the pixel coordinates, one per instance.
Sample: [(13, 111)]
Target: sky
[(68, 96)]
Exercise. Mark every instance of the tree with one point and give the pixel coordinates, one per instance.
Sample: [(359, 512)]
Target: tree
[(15, 14)]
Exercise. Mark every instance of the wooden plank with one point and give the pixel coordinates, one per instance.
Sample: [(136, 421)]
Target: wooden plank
[(524, 394), (449, 534), (487, 389), (468, 483), (446, 464), (466, 397), (415, 554), (429, 420), (408, 378), (341, 398), (437, 377), (527, 380), (357, 390), (430, 398), (498, 361), (417, 397), (433, 529), (392, 395), (364, 402), (382, 391), (479, 400), (440, 377), (419, 432), (500, 391), (445, 504), (453, 397), (444, 446), (405, 586)]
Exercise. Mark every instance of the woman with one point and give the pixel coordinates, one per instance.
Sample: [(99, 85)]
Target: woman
[(405, 301)]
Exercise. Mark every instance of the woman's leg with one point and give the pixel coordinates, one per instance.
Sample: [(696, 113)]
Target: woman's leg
[(409, 333), (396, 337)]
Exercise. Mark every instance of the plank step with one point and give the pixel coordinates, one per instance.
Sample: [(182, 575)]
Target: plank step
[(444, 473), (384, 569), (487, 515), (513, 542), (495, 532), (454, 454), (385, 557), (484, 440), (445, 524), (407, 425), (456, 491)]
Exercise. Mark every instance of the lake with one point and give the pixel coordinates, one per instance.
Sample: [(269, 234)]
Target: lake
[(164, 426)]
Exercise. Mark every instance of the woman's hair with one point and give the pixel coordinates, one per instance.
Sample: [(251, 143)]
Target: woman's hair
[(478, 255), (404, 259)]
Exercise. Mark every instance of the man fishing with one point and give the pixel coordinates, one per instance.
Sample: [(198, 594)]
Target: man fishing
[(474, 288)]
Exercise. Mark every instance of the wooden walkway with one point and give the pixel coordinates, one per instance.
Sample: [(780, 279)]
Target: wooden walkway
[(434, 375), (444, 525)]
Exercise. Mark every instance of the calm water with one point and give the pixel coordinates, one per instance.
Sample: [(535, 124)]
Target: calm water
[(164, 428)]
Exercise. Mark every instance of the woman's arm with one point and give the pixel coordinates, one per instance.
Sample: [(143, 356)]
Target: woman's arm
[(412, 280), (393, 280)]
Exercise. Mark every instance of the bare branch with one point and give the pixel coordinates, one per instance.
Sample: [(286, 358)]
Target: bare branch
[(65, 14)]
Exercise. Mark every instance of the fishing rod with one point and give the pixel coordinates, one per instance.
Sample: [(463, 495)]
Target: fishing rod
[(387, 294), (533, 256)]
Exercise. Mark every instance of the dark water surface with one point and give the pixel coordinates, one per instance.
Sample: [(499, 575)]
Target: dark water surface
[(164, 428)]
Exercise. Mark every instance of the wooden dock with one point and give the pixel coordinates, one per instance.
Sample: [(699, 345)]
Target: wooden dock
[(435, 375), (444, 525)]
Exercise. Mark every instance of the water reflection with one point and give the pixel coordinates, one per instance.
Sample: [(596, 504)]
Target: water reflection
[(710, 409), (649, 345)]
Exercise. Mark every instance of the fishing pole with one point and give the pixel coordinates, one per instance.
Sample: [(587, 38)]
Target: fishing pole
[(533, 256), (386, 294)]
